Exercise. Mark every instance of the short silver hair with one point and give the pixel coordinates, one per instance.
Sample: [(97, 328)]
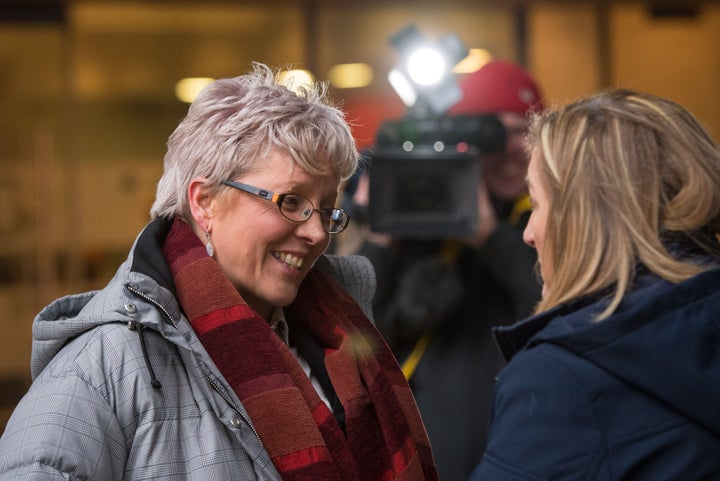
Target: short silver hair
[(236, 121)]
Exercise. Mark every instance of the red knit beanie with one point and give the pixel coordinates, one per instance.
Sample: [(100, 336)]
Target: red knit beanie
[(499, 86)]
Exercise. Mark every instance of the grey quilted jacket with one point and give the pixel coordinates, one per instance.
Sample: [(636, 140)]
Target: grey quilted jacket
[(123, 390)]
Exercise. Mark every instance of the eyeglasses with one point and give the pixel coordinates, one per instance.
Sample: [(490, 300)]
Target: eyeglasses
[(297, 208)]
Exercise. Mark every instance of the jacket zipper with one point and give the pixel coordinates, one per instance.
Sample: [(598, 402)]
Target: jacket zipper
[(222, 394), (213, 384), (154, 303)]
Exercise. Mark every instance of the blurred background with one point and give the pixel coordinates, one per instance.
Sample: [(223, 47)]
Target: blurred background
[(89, 95)]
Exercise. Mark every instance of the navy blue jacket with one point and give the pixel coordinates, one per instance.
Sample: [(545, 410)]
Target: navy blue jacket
[(633, 397)]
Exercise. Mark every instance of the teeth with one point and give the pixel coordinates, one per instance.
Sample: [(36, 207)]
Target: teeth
[(293, 261)]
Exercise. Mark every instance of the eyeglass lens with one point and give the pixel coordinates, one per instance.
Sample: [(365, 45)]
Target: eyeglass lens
[(297, 208)]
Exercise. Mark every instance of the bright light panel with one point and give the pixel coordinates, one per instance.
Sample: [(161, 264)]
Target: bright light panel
[(188, 88), (350, 75), (402, 87), (477, 57), (296, 80)]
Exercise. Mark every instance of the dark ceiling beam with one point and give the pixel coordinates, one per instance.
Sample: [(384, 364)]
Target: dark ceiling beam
[(32, 12)]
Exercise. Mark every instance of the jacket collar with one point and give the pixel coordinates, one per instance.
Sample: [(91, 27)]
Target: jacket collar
[(572, 323), (148, 257), (512, 339)]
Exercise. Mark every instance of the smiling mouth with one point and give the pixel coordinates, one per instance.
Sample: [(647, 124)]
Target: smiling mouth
[(289, 260)]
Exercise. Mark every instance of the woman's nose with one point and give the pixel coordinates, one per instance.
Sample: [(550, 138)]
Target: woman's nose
[(313, 228), (528, 236)]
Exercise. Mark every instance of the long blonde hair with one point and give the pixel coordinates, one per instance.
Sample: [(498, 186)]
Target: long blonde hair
[(625, 173)]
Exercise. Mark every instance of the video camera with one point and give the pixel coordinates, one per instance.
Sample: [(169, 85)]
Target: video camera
[(424, 174)]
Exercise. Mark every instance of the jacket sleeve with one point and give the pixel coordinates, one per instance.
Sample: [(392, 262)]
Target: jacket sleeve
[(543, 424), (64, 428)]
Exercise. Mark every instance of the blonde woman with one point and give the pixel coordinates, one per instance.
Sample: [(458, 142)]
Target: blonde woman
[(617, 375)]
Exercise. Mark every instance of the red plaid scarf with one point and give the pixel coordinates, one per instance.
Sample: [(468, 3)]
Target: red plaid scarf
[(385, 438)]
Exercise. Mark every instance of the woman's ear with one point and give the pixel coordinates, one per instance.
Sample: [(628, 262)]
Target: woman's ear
[(202, 204)]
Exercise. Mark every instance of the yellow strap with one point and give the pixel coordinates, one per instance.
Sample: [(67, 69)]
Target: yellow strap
[(449, 252), (411, 363), (522, 205)]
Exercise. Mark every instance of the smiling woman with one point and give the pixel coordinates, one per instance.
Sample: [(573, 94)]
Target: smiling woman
[(227, 319), (281, 230)]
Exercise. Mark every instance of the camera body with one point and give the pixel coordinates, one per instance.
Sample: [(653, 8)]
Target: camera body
[(424, 174)]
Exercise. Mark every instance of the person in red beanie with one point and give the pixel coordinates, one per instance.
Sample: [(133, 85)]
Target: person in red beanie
[(507, 90), (438, 299)]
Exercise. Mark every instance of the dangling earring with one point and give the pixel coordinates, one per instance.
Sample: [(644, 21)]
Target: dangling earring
[(208, 245)]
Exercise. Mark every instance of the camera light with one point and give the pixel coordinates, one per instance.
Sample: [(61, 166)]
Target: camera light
[(426, 66), (424, 79)]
